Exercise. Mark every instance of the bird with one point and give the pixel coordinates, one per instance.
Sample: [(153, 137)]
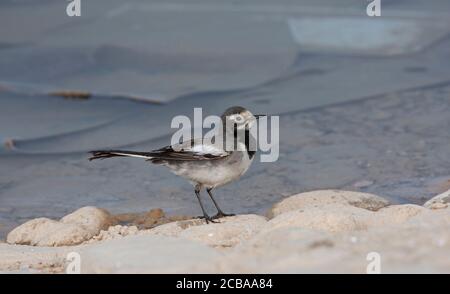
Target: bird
[(206, 165)]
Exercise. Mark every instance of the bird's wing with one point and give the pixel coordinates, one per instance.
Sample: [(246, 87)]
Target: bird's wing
[(190, 150)]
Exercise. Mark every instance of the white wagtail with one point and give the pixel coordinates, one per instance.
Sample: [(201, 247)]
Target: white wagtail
[(205, 165)]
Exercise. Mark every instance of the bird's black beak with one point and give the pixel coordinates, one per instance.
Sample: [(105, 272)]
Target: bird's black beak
[(257, 116)]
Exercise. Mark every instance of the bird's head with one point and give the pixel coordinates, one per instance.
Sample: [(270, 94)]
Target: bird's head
[(240, 117)]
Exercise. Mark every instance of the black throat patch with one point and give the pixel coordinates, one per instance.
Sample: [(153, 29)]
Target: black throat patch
[(247, 144), (247, 141)]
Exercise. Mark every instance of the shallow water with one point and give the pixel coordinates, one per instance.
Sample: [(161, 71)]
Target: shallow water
[(363, 120)]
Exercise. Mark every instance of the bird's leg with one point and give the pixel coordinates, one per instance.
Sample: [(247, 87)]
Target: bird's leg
[(220, 213), (205, 215)]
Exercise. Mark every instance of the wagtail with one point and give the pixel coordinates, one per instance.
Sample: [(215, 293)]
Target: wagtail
[(205, 165)]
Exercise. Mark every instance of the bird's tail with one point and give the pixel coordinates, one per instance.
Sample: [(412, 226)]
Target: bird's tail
[(102, 154)]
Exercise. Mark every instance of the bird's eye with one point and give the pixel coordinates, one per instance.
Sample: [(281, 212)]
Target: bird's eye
[(238, 118)]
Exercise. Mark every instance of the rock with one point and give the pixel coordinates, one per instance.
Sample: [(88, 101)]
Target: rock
[(27, 232), (47, 232), (343, 218), (437, 201), (325, 197), (301, 238), (114, 232), (328, 218), (29, 258), (174, 229), (395, 214), (438, 205), (229, 232), (431, 219), (90, 218), (332, 233), (72, 229), (283, 250), (417, 242), (147, 254)]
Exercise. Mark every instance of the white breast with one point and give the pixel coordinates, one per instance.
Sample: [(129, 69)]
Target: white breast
[(215, 173)]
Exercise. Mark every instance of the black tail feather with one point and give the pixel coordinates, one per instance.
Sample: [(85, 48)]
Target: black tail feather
[(102, 154)]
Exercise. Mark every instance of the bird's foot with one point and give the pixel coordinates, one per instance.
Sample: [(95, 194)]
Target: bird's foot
[(221, 214), (207, 218)]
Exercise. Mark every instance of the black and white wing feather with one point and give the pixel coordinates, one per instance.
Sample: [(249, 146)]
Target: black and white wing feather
[(191, 150), (186, 151)]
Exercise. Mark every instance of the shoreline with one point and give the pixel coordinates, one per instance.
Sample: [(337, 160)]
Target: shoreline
[(307, 232)]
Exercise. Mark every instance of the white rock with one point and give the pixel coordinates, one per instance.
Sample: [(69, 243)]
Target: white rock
[(174, 229), (74, 228), (340, 218), (282, 250), (431, 219), (27, 233), (22, 258), (46, 232), (328, 218), (395, 214), (410, 247), (229, 232), (114, 232), (147, 254), (439, 201), (326, 197), (91, 218), (438, 205)]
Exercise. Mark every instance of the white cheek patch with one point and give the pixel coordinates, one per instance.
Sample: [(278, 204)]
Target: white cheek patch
[(237, 118)]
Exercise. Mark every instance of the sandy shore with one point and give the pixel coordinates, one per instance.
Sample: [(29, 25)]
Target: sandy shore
[(325, 231)]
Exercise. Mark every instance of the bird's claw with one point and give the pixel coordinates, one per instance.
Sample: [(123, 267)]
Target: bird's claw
[(221, 214), (207, 218)]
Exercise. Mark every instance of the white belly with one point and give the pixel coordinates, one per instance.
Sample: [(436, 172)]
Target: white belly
[(215, 173)]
